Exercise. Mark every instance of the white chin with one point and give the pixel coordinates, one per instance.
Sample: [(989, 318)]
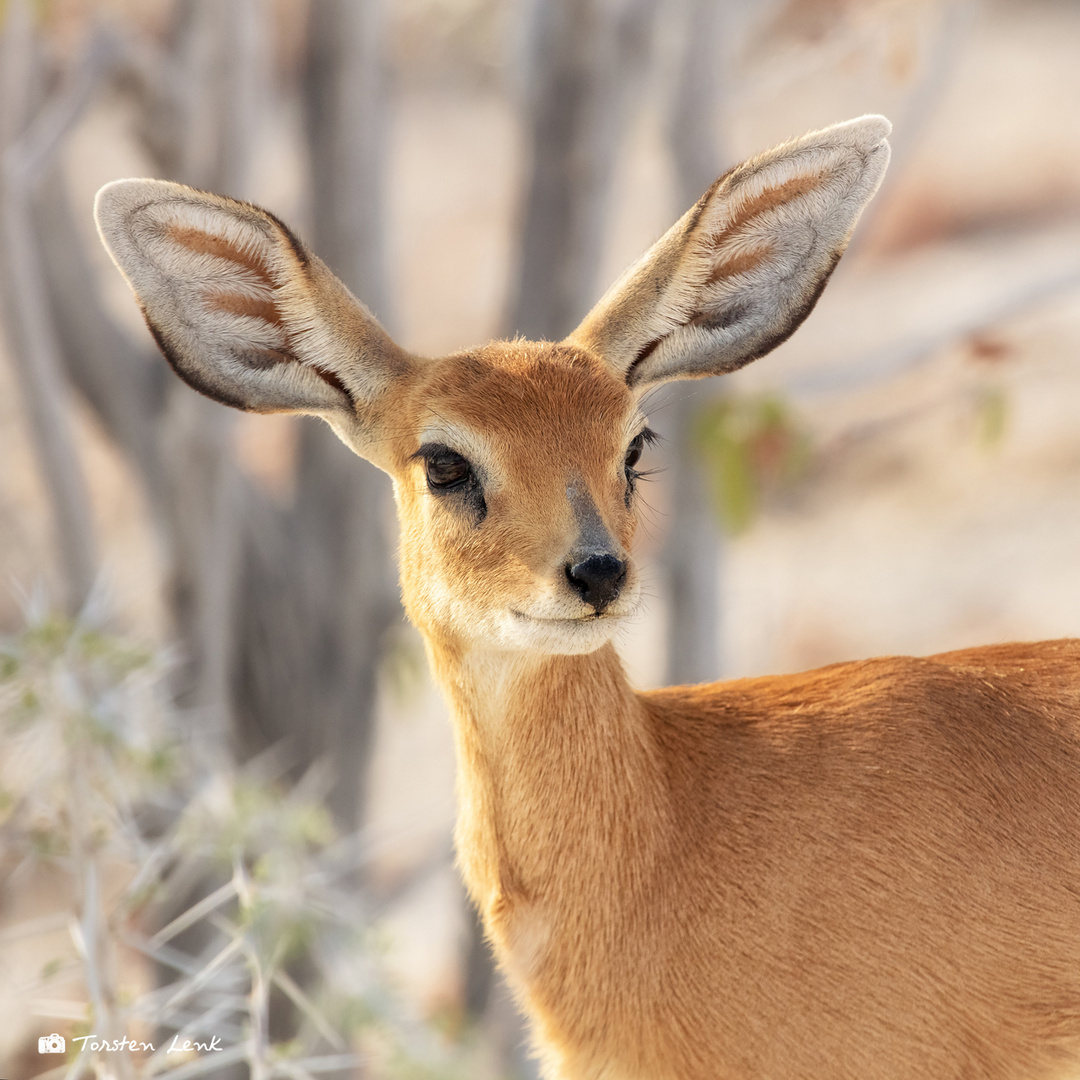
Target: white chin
[(564, 637)]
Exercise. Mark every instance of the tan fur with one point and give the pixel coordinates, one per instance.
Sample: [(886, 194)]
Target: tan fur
[(234, 303), (769, 199), (867, 871), (871, 871), (204, 243)]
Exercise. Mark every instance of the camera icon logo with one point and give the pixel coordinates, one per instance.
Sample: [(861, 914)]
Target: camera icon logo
[(51, 1044)]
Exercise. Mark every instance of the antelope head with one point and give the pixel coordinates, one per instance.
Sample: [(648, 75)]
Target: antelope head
[(514, 464)]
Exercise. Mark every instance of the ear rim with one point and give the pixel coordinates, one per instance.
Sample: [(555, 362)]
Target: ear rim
[(646, 313), (301, 287)]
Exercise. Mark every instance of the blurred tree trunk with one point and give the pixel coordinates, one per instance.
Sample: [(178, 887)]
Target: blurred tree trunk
[(318, 588), (34, 348), (693, 548), (585, 60), (280, 611), (346, 118)]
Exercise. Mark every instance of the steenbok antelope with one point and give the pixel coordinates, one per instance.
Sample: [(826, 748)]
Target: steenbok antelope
[(867, 871)]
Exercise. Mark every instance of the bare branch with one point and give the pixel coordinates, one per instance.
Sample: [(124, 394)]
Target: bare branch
[(193, 914), (890, 318), (124, 383), (325, 1063), (954, 23), (28, 158), (308, 1008), (206, 1064)]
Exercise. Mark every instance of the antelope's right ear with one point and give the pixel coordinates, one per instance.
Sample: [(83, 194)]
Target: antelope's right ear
[(240, 309)]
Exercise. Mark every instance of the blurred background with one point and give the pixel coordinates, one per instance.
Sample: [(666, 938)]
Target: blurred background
[(226, 782)]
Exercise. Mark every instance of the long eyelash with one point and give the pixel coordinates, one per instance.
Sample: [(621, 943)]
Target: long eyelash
[(428, 451), (649, 438)]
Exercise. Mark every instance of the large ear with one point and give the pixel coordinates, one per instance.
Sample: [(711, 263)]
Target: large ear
[(742, 269), (240, 309)]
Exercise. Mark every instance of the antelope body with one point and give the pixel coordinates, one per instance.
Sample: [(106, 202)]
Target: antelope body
[(867, 871)]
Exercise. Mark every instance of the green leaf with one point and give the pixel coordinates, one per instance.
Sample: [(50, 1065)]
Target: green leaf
[(991, 414), (750, 448)]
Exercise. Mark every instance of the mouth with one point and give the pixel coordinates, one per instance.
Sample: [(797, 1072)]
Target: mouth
[(565, 636), (581, 620)]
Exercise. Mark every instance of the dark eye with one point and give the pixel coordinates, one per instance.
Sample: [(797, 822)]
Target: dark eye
[(451, 477), (633, 456), (447, 470)]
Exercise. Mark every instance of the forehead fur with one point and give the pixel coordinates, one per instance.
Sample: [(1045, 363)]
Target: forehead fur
[(510, 390)]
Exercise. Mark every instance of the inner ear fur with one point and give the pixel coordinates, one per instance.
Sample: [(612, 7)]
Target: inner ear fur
[(738, 273), (240, 308)]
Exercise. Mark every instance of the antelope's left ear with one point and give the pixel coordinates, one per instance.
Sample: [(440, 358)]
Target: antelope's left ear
[(741, 270)]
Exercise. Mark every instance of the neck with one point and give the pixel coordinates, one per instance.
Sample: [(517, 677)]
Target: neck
[(557, 776)]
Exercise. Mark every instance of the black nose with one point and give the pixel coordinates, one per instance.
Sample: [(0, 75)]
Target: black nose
[(597, 579)]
